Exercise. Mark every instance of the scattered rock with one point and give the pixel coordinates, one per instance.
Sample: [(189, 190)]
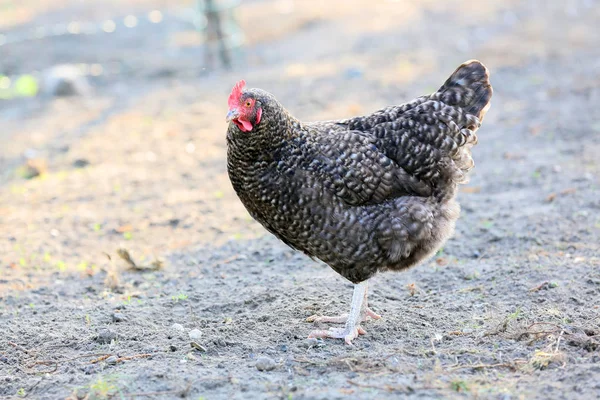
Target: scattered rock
[(112, 360), (195, 334), (81, 163), (118, 317), (89, 369), (172, 348), (32, 168), (265, 364), (105, 336), (178, 327)]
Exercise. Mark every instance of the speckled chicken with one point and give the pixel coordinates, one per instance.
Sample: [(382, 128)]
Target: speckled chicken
[(365, 194)]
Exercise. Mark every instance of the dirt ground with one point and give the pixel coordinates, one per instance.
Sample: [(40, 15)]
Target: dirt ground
[(509, 309)]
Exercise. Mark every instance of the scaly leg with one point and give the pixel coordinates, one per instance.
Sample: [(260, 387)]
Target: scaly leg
[(358, 313), (341, 319)]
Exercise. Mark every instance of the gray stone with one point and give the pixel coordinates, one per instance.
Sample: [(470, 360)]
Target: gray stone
[(105, 336), (265, 364)]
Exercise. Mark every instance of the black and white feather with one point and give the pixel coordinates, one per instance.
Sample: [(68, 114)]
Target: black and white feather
[(365, 194)]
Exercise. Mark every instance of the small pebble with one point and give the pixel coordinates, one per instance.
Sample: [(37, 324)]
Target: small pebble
[(265, 364), (118, 317), (89, 369), (178, 327), (81, 163), (105, 336), (195, 334), (112, 360), (172, 348)]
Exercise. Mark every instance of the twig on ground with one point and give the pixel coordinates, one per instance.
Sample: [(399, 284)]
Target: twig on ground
[(145, 355), (47, 362), (226, 261), (125, 256), (558, 340), (539, 287), (102, 358), (50, 362)]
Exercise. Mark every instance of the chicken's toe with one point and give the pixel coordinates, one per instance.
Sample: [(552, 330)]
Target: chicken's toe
[(341, 319), (348, 334), (372, 314)]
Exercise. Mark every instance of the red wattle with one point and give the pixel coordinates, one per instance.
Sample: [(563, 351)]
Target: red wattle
[(258, 115)]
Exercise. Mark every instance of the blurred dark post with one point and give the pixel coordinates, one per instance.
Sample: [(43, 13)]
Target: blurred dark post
[(221, 30)]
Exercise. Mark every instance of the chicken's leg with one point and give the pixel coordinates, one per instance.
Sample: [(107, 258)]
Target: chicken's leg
[(358, 313), (341, 319)]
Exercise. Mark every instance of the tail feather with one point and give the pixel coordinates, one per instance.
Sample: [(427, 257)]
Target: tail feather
[(469, 88)]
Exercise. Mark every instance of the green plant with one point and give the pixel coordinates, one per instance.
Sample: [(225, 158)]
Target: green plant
[(514, 315), (61, 265), (180, 296), (459, 386), (103, 388)]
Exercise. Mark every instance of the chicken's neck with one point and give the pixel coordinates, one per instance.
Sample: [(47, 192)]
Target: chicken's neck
[(265, 142)]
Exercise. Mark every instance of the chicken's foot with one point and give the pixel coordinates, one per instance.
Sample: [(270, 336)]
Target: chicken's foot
[(341, 319), (359, 311)]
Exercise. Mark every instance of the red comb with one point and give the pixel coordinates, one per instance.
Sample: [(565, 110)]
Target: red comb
[(236, 92)]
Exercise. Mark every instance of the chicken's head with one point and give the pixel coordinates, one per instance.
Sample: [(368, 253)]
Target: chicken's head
[(244, 108)]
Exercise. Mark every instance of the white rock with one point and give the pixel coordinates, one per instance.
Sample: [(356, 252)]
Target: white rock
[(195, 334), (178, 327)]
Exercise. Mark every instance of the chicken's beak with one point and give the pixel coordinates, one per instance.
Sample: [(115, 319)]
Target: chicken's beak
[(232, 114)]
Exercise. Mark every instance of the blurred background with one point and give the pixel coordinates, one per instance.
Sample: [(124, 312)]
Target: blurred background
[(112, 112), (112, 136)]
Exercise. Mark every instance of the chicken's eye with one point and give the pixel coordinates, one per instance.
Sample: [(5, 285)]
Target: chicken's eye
[(248, 103)]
